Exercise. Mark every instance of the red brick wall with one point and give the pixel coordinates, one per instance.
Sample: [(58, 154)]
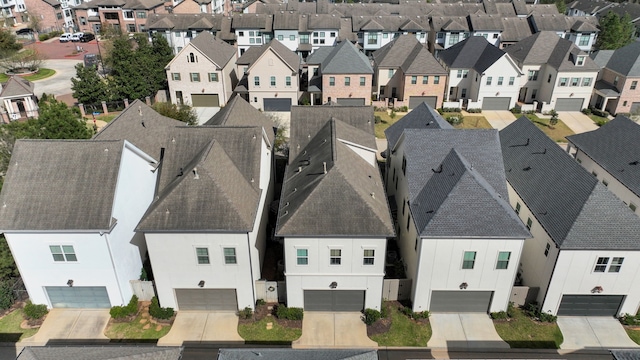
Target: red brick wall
[(429, 89), (46, 13), (339, 90)]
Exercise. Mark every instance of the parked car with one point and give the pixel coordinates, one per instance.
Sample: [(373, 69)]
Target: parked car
[(76, 36), (65, 37), (86, 37)]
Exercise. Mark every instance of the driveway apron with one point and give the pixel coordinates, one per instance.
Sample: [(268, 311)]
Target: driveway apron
[(333, 330), (202, 327), (71, 324), (589, 332), (464, 330), (577, 121), (499, 119)]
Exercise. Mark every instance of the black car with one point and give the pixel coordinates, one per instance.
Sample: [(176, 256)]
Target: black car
[(86, 37)]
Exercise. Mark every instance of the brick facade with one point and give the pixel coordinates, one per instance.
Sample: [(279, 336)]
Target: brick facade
[(340, 90), (429, 89), (627, 95), (51, 17)]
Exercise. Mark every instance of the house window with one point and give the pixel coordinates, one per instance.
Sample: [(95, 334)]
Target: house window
[(534, 93), (335, 256), (546, 249), (586, 81), (280, 37), (369, 256), (518, 207), (459, 75), (634, 84), (391, 72), (83, 20), (465, 73), (500, 80), (347, 81), (213, 77), (332, 34), (563, 81), (63, 253), (408, 221), (195, 77), (272, 81), (304, 38), (128, 14), (454, 38), (533, 75), (616, 264), (175, 76), (292, 37), (624, 103), (240, 33), (192, 58), (529, 223), (141, 14), (287, 81), (131, 28), (436, 79), (575, 81), (463, 94), (414, 80), (363, 81), (404, 165), (512, 80), (302, 256), (385, 35), (425, 80), (605, 183), (230, 256), (503, 260), (489, 79), (469, 260), (601, 264), (580, 60), (256, 80), (203, 256), (404, 206), (332, 81), (584, 41), (372, 38), (594, 174), (415, 245), (495, 36)]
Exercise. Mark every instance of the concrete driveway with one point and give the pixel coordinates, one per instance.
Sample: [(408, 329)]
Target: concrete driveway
[(202, 327), (71, 325), (577, 121), (464, 331), (588, 332), (333, 330), (60, 83), (499, 119)]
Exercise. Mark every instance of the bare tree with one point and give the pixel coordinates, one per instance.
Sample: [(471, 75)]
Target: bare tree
[(24, 61)]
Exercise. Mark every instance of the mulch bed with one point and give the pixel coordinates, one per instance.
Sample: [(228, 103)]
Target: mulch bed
[(384, 325), (262, 311)]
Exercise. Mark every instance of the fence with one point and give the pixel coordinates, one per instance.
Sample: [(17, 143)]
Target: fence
[(19, 290), (105, 107), (144, 290), (271, 291), (396, 289)]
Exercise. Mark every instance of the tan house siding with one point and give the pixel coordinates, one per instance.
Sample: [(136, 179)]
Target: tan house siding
[(420, 89), (626, 93), (189, 7), (46, 13), (340, 90), (269, 64)]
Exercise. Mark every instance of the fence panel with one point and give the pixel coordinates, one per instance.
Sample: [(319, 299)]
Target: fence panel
[(144, 290)]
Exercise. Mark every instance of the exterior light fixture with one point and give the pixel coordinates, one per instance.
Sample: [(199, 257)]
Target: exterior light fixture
[(201, 283), (70, 283), (463, 286), (597, 290), (333, 285)]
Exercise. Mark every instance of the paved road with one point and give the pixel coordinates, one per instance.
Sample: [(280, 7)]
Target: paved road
[(60, 83)]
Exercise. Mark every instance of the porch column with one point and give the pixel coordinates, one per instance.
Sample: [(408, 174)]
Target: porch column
[(604, 103), (9, 107)]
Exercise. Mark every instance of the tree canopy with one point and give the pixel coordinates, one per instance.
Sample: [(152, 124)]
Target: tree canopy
[(8, 43), (88, 87), (615, 32), (183, 113)]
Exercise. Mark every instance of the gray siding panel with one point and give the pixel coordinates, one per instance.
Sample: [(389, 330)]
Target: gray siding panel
[(460, 301), (568, 104), (414, 101), (590, 305), (496, 103), (207, 299), (78, 297), (334, 300)]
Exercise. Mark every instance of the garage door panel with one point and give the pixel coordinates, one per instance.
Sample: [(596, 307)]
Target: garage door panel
[(569, 104), (414, 101), (205, 100), (590, 305), (78, 297), (460, 301), (334, 300), (275, 104), (351, 101), (496, 103), (207, 299)]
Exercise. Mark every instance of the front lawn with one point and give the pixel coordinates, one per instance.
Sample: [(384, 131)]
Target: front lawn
[(634, 334), (558, 133), (599, 120), (136, 329), (257, 331), (385, 122), (10, 330), (404, 331), (473, 122), (521, 331)]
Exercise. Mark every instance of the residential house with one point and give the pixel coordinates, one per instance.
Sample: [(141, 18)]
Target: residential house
[(584, 256), (188, 84), (375, 32), (616, 90), (488, 26), (269, 77), (447, 31), (180, 29), (18, 99), (405, 67), (515, 29), (581, 30), (459, 239), (611, 154), (559, 75), (342, 74), (480, 75), (129, 16), (14, 12), (252, 30), (588, 7), (101, 352), (50, 13), (222, 7), (333, 215)]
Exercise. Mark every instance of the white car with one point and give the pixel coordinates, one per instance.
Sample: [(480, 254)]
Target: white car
[(65, 37), (75, 37)]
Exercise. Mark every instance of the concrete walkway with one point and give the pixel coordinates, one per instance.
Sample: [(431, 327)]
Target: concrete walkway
[(589, 332), (577, 121), (498, 119), (464, 331), (202, 327), (333, 330), (78, 325)]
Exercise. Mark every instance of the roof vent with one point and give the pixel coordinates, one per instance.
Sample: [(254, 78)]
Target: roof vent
[(167, 211), (373, 195), (181, 172), (527, 168), (105, 150), (299, 168), (324, 167), (195, 174), (438, 170), (634, 162)]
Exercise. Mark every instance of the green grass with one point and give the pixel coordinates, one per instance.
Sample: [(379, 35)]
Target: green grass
[(404, 331), (470, 121), (39, 75), (10, 330), (522, 332), (384, 123), (634, 334), (257, 332), (559, 132), (134, 330), (599, 120)]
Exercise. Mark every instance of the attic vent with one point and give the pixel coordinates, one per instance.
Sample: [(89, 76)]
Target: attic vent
[(438, 170), (634, 162), (252, 180), (173, 140), (295, 189), (254, 136), (308, 136), (324, 167), (527, 168), (373, 195), (4, 205), (543, 213), (304, 152), (299, 168), (286, 212), (195, 174), (540, 152), (167, 211), (181, 172)]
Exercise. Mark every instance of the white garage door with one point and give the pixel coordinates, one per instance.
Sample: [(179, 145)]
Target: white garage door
[(207, 299), (78, 296), (569, 104)]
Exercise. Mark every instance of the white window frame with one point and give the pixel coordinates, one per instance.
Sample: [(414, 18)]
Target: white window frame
[(206, 256), (233, 258), (371, 257), (500, 262), (473, 261), (335, 260), (304, 257), (66, 256)]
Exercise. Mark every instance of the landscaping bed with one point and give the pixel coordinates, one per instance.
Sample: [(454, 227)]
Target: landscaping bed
[(557, 133), (522, 331), (399, 329), (256, 328), (11, 327), (139, 326)]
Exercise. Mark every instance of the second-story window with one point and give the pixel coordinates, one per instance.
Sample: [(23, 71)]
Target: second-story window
[(256, 80), (347, 81), (369, 257), (335, 257), (287, 81), (332, 81), (195, 77), (414, 80), (272, 81), (372, 38), (363, 81)]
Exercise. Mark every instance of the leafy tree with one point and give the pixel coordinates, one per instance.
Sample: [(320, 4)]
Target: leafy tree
[(8, 43), (29, 60), (8, 267), (88, 87), (554, 118), (183, 113), (615, 32), (56, 120)]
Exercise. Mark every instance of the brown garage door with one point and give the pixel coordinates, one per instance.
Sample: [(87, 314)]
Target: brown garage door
[(207, 299), (205, 100)]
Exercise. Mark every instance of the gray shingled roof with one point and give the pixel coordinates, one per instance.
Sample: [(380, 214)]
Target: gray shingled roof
[(422, 116), (486, 22), (345, 58), (286, 20), (253, 21), (296, 354), (626, 60), (238, 112), (408, 53), (452, 23), (17, 86), (252, 54), (310, 119), (625, 354), (216, 50), (142, 4), (515, 29), (575, 209), (60, 185), (557, 22), (100, 353), (472, 53), (614, 146), (601, 57), (218, 23), (330, 190)]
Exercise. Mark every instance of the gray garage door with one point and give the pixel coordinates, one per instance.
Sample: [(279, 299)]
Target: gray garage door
[(334, 300), (590, 305), (460, 301), (205, 100), (277, 104), (207, 299), (78, 296), (351, 101), (569, 104), (414, 101), (495, 103)]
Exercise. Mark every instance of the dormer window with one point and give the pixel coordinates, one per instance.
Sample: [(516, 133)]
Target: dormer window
[(580, 60)]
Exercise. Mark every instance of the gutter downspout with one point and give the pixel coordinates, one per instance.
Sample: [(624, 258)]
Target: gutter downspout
[(115, 270)]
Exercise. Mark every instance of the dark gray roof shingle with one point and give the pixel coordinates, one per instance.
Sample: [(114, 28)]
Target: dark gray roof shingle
[(472, 53), (408, 53), (575, 209), (626, 60), (17, 86), (422, 116), (252, 54), (216, 50), (100, 353), (345, 58), (296, 354), (238, 112)]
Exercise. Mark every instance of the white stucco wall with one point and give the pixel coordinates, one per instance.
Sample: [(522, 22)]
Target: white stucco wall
[(504, 68), (318, 274), (284, 36), (574, 92)]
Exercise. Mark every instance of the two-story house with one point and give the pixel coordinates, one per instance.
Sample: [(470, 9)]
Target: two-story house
[(375, 32), (180, 29), (406, 68), (488, 26), (447, 31), (580, 30), (128, 16), (558, 74), (584, 256), (341, 74), (203, 74), (269, 77), (611, 154), (252, 30), (480, 75), (459, 239), (616, 90), (333, 214)]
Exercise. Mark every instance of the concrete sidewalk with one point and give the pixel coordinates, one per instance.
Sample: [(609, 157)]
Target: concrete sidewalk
[(464, 331), (589, 332), (202, 327), (333, 330)]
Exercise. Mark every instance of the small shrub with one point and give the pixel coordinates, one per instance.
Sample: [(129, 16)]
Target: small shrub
[(370, 316), (35, 312), (7, 297), (283, 312), (474, 110), (516, 110), (599, 112), (393, 114), (545, 317), (601, 122), (531, 309), (379, 109), (446, 110), (159, 312), (245, 313), (500, 315), (406, 311), (377, 119), (628, 319), (455, 120), (296, 313), (511, 310), (384, 311), (402, 109), (420, 315), (586, 111), (530, 112), (260, 302), (121, 312)]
